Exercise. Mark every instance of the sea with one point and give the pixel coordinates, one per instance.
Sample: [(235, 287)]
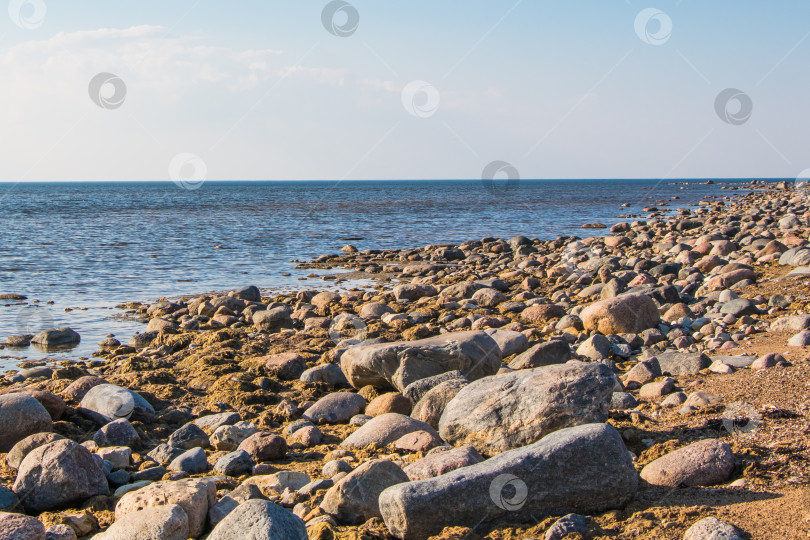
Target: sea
[(76, 250)]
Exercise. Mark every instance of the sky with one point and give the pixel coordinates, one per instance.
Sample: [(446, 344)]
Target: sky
[(194, 90)]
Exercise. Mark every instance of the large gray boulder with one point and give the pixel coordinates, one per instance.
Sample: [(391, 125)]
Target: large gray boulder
[(336, 408), (510, 410), (107, 402), (677, 363), (58, 474), (257, 519), (584, 469), (20, 416), (55, 337), (387, 365)]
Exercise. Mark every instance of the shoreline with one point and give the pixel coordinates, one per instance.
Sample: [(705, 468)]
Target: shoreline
[(674, 305)]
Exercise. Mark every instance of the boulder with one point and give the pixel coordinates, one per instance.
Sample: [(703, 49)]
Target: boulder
[(441, 461), (117, 433), (56, 337), (702, 463), (398, 364), (354, 499), (510, 410), (584, 469), (336, 408), (57, 474), (256, 519), (168, 522), (194, 495), (20, 416), (555, 351), (273, 320), (264, 446), (385, 429), (107, 402), (628, 313), (20, 527)]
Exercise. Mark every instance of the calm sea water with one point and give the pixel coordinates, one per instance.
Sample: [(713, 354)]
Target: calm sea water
[(89, 246)]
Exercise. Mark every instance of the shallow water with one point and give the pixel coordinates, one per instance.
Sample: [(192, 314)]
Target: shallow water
[(89, 246)]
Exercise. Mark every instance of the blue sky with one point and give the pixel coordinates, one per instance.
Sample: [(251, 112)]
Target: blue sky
[(420, 90)]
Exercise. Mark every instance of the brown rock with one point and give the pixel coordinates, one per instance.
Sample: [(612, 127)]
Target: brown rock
[(78, 388), (52, 403), (417, 441), (287, 366), (703, 463), (628, 313), (387, 403), (264, 446), (539, 313), (441, 461)]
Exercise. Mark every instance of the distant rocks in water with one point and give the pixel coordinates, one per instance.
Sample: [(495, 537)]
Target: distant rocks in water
[(594, 226), (11, 296), (23, 340), (56, 337)]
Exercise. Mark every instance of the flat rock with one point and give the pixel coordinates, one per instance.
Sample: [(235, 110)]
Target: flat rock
[(354, 499), (739, 361), (58, 474), (20, 416), (384, 430), (257, 519), (398, 364), (168, 522), (335, 408), (702, 463), (584, 469), (677, 363), (507, 411), (194, 495)]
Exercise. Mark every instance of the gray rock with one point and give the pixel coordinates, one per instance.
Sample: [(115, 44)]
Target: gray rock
[(711, 528), (163, 453), (212, 421), (20, 416), (429, 409), (20, 527), (259, 520), (802, 339), (250, 293), (234, 463), (443, 460), (273, 320), (325, 373), (739, 307), (702, 463), (229, 502), (107, 402), (58, 474), (152, 474), (117, 433), (555, 351), (509, 341), (739, 361), (336, 408), (676, 363), (797, 256), (187, 437), (568, 524), (412, 291), (8, 500), (417, 389), (56, 337), (169, 522), (622, 401), (354, 499), (596, 347), (385, 429), (507, 411), (191, 461), (584, 469), (398, 364), (795, 323)]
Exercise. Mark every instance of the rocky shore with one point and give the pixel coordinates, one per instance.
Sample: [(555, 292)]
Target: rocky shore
[(650, 383)]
